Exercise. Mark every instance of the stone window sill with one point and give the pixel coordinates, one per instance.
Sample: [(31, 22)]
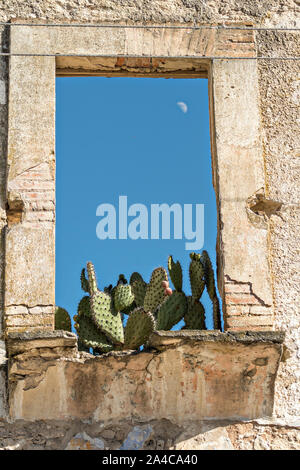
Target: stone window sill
[(183, 375)]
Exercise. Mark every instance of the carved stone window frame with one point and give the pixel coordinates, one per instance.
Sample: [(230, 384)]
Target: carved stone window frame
[(39, 54)]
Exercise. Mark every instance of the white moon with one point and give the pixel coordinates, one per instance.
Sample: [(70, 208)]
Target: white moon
[(182, 106)]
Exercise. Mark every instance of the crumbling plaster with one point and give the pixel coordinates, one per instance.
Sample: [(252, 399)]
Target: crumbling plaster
[(279, 101)]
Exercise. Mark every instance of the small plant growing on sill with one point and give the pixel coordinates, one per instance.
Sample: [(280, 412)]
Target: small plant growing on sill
[(150, 306)]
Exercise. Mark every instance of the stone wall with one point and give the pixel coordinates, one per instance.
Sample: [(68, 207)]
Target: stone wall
[(157, 399), (275, 209), (181, 376), (156, 435)]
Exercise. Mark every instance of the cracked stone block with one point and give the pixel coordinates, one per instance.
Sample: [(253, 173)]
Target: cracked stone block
[(137, 438)]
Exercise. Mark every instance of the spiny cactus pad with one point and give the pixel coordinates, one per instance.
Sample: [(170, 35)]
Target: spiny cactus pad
[(155, 292), (62, 319), (90, 336), (140, 325), (175, 272), (216, 313), (139, 291), (84, 281), (197, 281), (208, 274), (106, 318), (84, 307), (123, 297), (171, 311), (136, 277), (93, 288), (194, 318), (211, 289)]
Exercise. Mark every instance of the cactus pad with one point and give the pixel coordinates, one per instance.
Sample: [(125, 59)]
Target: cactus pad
[(92, 278), (197, 281), (84, 282), (195, 316), (175, 272), (106, 318), (136, 277), (62, 319), (90, 336), (139, 291), (155, 292), (140, 325), (171, 311), (84, 307), (123, 297), (211, 289)]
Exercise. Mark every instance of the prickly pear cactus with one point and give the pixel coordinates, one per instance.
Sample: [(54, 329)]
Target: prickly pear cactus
[(139, 326), (99, 321), (175, 272), (62, 319), (155, 292), (171, 311)]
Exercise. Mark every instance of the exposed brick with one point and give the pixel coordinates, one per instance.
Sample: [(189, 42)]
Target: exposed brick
[(234, 288), (241, 299), (41, 205), (16, 309), (29, 320), (29, 184), (40, 215), (246, 327), (36, 310), (260, 310), (48, 308), (237, 310), (38, 224), (41, 195), (248, 321), (32, 328)]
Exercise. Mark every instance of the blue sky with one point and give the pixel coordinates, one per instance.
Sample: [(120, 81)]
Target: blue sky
[(146, 138)]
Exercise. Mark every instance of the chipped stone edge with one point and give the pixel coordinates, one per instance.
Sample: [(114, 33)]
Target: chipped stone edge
[(168, 338)]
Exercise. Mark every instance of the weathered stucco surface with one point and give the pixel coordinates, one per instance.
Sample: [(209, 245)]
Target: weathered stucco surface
[(269, 209)]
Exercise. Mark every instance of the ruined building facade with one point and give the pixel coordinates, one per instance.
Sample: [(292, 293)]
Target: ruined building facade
[(207, 390)]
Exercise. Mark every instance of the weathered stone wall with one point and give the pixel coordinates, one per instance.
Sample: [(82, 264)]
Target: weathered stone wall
[(182, 376), (156, 435), (157, 399), (277, 211)]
